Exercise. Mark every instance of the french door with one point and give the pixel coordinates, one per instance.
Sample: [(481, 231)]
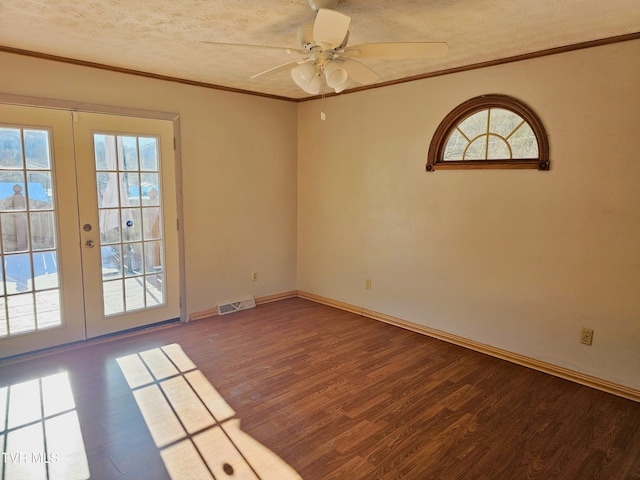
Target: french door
[(88, 226), (129, 236)]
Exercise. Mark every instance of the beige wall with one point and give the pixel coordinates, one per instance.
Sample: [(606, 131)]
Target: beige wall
[(519, 260), (238, 166)]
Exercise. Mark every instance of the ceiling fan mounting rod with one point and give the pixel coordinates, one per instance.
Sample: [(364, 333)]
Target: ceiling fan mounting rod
[(318, 4)]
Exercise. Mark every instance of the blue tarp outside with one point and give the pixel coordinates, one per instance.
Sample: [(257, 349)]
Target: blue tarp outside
[(36, 191)]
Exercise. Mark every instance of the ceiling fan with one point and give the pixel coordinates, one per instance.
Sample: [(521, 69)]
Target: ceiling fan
[(330, 61)]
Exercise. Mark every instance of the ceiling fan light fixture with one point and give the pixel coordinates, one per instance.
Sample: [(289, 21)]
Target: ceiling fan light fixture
[(305, 77), (303, 74), (314, 85), (343, 86), (337, 77)]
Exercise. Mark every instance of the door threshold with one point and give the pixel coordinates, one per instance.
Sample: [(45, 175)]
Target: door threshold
[(80, 344)]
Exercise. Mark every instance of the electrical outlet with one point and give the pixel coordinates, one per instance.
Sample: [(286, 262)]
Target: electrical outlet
[(254, 277), (367, 284), (586, 336)]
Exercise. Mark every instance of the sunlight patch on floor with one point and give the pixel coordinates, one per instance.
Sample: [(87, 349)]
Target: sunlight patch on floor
[(40, 431), (191, 423)]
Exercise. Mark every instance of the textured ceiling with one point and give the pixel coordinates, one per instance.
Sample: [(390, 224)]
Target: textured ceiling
[(167, 37)]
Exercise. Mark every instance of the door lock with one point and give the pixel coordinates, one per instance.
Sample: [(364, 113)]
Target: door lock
[(89, 244)]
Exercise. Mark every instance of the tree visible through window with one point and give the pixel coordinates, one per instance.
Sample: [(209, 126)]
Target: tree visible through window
[(491, 131)]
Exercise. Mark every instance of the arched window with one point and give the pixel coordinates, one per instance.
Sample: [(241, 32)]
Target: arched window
[(490, 131)]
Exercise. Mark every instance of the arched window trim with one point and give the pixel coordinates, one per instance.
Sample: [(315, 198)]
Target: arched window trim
[(463, 111)]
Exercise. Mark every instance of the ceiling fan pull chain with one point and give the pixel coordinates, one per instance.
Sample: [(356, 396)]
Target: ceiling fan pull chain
[(323, 116)]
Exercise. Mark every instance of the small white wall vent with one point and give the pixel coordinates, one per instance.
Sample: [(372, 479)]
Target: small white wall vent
[(241, 304)]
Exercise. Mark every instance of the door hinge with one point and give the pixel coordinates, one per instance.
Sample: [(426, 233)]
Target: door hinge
[(174, 143), (177, 224)]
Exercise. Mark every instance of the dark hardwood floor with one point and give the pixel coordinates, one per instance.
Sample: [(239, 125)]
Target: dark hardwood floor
[(331, 394)]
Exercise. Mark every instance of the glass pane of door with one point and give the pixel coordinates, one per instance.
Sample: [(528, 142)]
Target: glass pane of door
[(30, 283), (38, 304), (130, 222)]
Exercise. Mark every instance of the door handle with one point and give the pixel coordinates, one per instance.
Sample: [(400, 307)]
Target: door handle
[(89, 244)]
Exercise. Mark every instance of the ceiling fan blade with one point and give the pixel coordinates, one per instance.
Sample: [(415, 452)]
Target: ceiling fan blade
[(330, 28), (280, 68), (359, 72), (265, 47), (398, 50)]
